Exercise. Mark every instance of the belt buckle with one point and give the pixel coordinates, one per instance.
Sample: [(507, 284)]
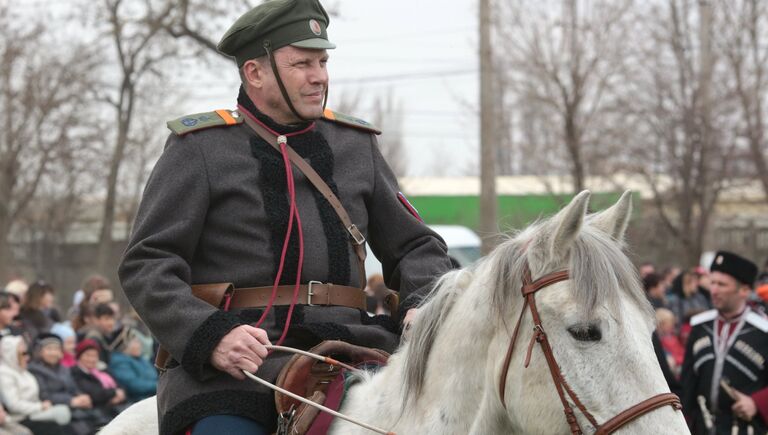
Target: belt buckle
[(357, 236), (310, 293)]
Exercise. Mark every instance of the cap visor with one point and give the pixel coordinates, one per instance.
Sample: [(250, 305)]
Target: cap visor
[(318, 43)]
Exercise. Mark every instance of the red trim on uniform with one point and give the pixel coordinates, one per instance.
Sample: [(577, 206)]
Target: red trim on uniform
[(411, 209), (761, 401)]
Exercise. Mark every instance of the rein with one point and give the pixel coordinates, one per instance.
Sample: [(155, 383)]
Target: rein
[(306, 401), (528, 290)]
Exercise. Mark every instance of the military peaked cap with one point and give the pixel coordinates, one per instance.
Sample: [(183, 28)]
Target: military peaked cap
[(277, 23), (737, 266)]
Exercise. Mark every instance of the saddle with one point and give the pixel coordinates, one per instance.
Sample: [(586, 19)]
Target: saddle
[(319, 382)]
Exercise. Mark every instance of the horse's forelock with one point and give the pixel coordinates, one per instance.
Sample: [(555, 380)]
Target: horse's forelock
[(601, 273)]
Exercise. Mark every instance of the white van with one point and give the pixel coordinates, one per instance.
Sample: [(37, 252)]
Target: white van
[(463, 245)]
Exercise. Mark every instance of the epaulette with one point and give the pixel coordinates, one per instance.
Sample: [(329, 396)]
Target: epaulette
[(200, 121), (706, 316), (757, 321), (350, 121)]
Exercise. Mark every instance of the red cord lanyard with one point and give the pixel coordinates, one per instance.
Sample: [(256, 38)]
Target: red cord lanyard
[(282, 140)]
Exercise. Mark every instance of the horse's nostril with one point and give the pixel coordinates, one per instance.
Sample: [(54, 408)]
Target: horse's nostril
[(586, 332)]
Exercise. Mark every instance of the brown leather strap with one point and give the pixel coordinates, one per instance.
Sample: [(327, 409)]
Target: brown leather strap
[(508, 357), (356, 238), (314, 293), (545, 281), (638, 410), (528, 290)]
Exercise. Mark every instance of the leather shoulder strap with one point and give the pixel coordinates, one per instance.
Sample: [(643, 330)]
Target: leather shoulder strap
[(356, 238)]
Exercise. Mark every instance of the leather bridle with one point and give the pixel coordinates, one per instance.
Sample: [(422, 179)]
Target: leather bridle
[(529, 290)]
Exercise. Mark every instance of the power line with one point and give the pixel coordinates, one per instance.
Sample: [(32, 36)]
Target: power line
[(405, 76), (413, 35)]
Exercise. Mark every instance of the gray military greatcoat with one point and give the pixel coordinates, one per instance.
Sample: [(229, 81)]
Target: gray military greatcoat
[(215, 209)]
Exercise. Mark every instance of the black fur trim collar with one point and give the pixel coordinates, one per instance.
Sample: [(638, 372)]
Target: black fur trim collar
[(313, 147)]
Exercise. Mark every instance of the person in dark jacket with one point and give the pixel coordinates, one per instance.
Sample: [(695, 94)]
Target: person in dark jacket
[(9, 309), (102, 388), (132, 372), (725, 375), (58, 386), (233, 224), (38, 313)]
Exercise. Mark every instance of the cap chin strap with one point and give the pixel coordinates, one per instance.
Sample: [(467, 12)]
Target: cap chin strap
[(273, 64)]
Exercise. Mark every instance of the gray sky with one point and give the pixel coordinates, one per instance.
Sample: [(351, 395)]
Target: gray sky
[(424, 51)]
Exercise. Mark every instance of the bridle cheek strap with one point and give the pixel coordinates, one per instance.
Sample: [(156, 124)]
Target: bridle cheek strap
[(528, 291)]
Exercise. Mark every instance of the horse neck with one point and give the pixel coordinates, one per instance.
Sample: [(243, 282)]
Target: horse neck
[(453, 385), (456, 379)]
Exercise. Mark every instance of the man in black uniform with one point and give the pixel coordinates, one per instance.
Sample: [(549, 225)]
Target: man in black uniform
[(217, 209), (725, 378)]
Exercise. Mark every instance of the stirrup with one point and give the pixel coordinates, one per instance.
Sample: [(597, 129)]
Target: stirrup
[(284, 421)]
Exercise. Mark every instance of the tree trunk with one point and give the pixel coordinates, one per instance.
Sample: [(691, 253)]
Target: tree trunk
[(124, 115)]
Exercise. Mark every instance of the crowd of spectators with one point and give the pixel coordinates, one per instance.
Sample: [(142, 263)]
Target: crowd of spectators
[(69, 374)]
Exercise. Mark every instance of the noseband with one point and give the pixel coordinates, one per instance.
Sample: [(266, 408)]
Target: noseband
[(529, 290)]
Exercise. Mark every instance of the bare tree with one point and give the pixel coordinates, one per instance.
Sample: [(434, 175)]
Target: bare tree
[(388, 116), (742, 41), (567, 66), (137, 32), (144, 146), (43, 90), (681, 143)]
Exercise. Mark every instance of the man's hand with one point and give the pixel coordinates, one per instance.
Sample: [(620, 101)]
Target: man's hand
[(3, 415), (119, 397), (81, 401), (46, 404), (745, 407), (241, 349)]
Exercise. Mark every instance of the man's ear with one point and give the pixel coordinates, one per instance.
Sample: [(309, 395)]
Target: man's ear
[(253, 73)]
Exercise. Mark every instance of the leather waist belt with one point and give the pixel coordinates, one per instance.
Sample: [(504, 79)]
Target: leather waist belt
[(314, 293)]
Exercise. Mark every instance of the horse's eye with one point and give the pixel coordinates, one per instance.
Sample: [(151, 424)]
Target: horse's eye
[(584, 332)]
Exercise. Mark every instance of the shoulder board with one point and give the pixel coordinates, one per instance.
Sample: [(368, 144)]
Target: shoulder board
[(757, 321), (350, 121), (201, 121), (704, 317)]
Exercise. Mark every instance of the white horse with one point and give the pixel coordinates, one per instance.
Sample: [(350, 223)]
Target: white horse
[(445, 378)]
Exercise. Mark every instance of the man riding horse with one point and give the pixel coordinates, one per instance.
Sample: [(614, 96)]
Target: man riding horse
[(226, 204)]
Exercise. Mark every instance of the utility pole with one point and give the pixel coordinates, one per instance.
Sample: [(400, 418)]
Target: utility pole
[(489, 134)]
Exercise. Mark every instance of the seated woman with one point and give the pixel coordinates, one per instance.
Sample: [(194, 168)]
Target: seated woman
[(7, 427), (67, 335), (56, 384), (21, 393), (137, 375), (99, 385)]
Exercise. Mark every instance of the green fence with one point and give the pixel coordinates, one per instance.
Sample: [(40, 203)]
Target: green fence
[(514, 212)]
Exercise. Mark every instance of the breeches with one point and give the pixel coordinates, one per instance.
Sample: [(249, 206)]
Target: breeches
[(227, 425)]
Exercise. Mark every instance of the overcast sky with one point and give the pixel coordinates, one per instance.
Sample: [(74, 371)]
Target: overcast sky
[(424, 51)]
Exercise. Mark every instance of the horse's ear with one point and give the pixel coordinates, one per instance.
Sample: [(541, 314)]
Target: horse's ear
[(614, 220), (568, 223)]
